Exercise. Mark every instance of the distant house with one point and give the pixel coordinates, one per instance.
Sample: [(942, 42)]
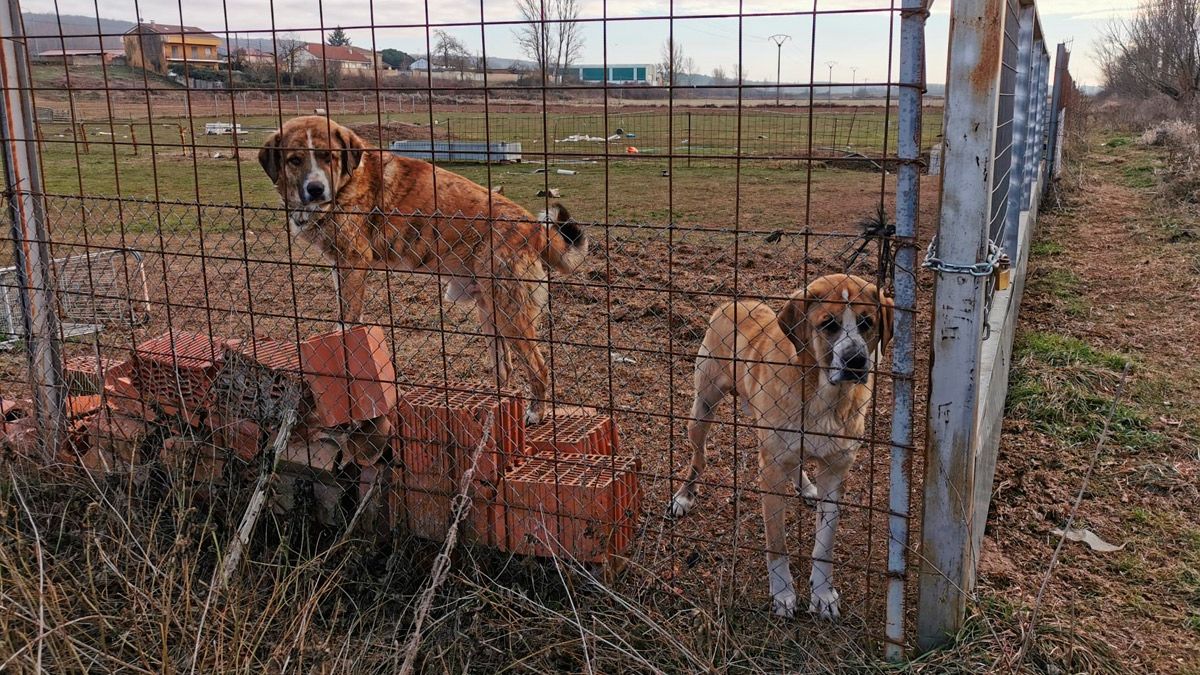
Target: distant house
[(158, 46), (77, 57), (348, 59), (251, 56)]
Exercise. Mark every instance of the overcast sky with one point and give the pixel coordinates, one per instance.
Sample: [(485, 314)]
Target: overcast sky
[(856, 42)]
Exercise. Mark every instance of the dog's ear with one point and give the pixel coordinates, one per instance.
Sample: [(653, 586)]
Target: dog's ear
[(352, 149), (271, 156), (793, 320), (887, 311)]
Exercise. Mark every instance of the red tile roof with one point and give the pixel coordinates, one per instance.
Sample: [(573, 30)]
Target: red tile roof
[(168, 29), (332, 53)]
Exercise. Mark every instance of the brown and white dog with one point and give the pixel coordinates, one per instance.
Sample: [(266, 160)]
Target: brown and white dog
[(367, 209), (804, 378)]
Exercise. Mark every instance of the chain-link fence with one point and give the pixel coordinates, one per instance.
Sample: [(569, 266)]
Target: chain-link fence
[(615, 333)]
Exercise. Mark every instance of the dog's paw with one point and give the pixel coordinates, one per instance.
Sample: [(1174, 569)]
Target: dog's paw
[(806, 489), (784, 604), (824, 603), (533, 415), (680, 504), (810, 495)]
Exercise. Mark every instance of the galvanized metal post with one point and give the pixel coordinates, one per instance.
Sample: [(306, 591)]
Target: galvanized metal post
[(1043, 118), (31, 239), (972, 94), (1029, 158), (908, 193), (1022, 127)]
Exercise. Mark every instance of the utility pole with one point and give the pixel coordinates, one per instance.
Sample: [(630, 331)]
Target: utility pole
[(778, 39), (831, 64), (853, 79)]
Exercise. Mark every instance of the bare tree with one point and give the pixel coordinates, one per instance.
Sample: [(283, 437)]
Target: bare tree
[(1155, 51), (675, 63), (551, 36), (719, 76), (451, 51), (288, 51), (567, 35)]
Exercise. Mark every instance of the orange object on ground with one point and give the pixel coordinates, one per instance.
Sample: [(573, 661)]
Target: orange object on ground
[(445, 426)]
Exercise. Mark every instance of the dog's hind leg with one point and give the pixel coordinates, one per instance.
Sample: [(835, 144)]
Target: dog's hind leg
[(805, 487), (496, 344), (709, 392), (516, 315)]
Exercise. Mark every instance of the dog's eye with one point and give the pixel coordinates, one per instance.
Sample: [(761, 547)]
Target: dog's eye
[(831, 325), (295, 161), (865, 323), (323, 156)]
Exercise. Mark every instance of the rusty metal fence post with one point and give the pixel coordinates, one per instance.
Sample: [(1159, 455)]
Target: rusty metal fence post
[(1062, 80), (995, 130), (31, 239)]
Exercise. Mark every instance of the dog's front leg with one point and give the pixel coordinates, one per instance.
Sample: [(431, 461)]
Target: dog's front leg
[(350, 283), (774, 483), (829, 478)]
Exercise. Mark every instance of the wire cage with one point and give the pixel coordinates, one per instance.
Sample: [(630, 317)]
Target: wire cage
[(519, 351)]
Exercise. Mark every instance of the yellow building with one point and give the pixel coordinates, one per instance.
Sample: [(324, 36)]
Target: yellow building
[(158, 46)]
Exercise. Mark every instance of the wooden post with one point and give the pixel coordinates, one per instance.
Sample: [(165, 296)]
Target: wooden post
[(972, 95), (182, 141), (82, 134), (133, 138)]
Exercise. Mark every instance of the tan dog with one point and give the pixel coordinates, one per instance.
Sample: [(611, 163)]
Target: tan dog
[(368, 209), (804, 378)]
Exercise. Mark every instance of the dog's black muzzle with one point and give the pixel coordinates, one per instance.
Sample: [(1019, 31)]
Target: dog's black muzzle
[(857, 369)]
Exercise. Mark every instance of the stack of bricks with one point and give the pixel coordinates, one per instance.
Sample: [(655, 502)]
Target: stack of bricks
[(555, 489), (176, 371), (578, 506), (559, 488), (440, 431)]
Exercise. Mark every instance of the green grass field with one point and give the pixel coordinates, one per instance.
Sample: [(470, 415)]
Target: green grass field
[(712, 188)]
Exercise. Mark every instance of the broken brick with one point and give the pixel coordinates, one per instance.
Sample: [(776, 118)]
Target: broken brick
[(350, 374)]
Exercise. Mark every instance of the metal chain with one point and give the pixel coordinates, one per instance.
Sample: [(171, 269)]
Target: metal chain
[(979, 269)]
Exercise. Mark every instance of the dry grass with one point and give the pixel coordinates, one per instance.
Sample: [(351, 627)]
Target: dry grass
[(114, 577)]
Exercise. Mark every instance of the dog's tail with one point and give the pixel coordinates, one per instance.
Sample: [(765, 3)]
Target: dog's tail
[(567, 242)]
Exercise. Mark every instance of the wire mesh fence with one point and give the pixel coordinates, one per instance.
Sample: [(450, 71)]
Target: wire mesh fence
[(629, 328)]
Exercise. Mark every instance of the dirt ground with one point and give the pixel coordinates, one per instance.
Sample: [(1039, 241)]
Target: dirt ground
[(1113, 277), (1113, 273), (622, 334)]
